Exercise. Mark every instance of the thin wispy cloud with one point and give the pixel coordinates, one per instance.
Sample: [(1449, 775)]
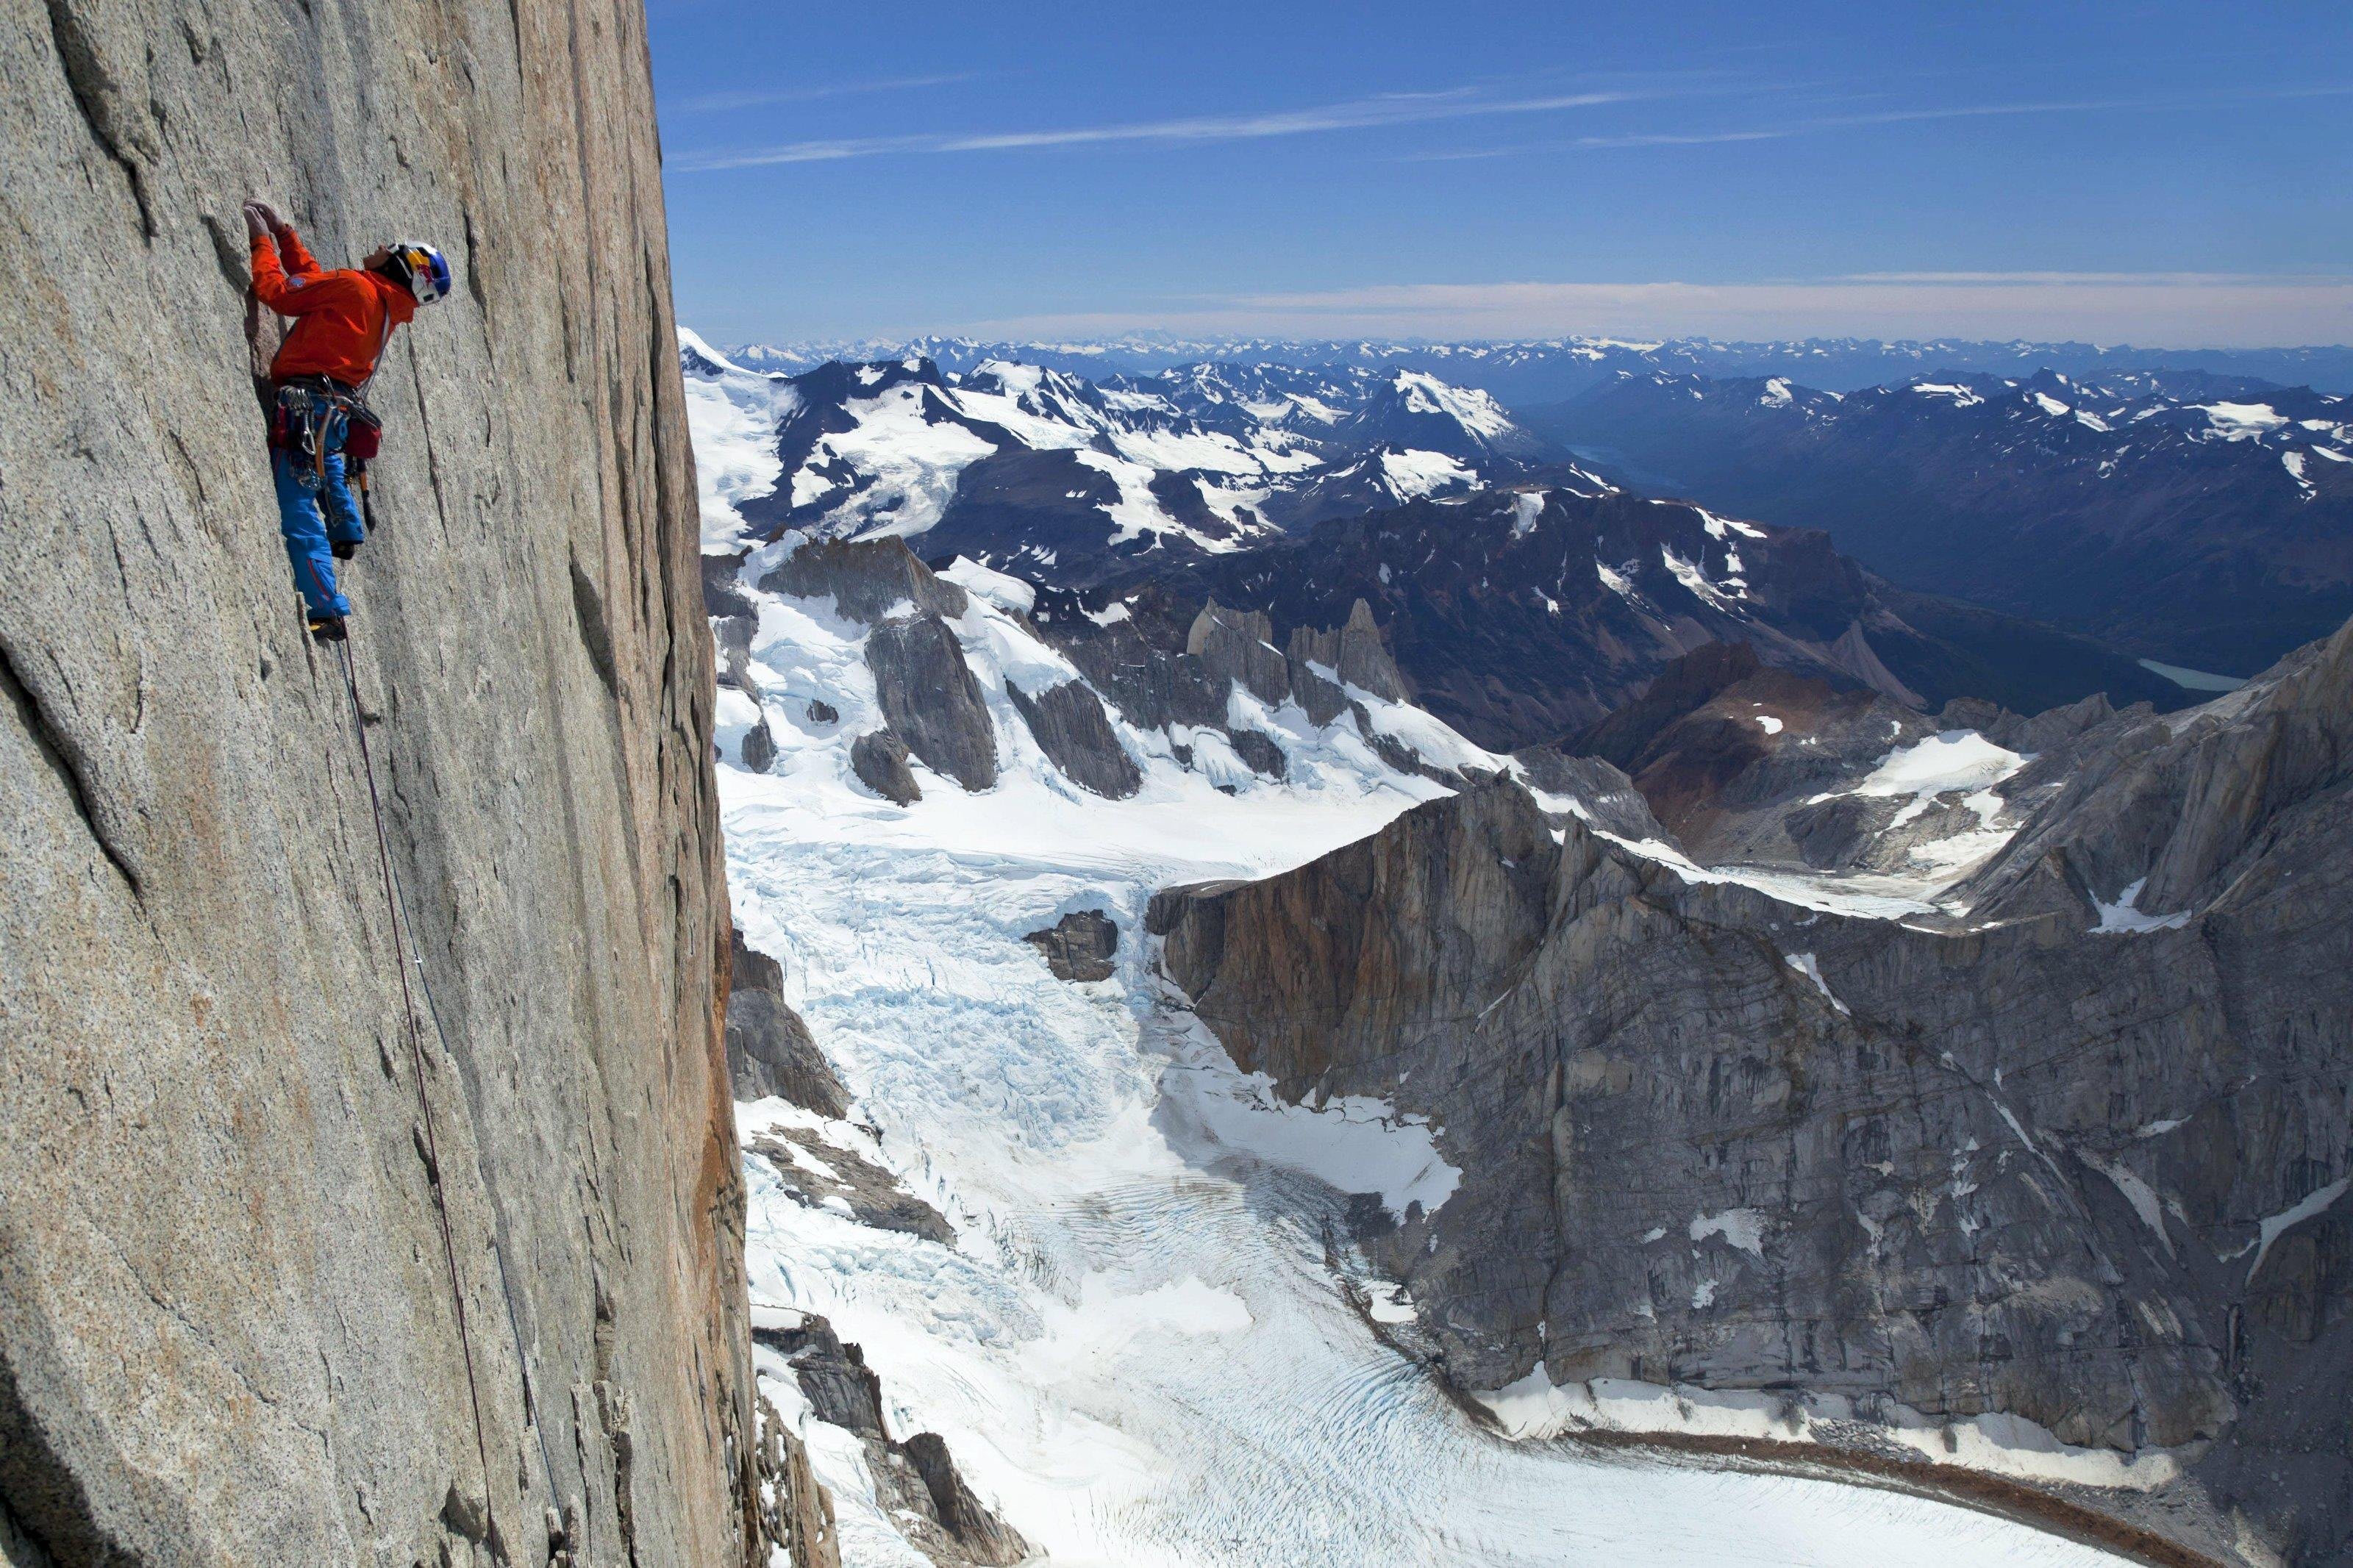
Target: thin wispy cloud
[(1924, 181), (1630, 139), (1466, 103), (761, 98), (2214, 309), (1396, 109), (1818, 124)]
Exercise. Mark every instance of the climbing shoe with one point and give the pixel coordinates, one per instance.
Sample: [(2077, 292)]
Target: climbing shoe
[(345, 549), (328, 628)]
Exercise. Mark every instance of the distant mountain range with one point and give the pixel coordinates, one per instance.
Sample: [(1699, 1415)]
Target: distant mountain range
[(1553, 369), (1523, 598), (1066, 480), (2200, 520)]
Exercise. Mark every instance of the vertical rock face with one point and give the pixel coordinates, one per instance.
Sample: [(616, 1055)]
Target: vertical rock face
[(230, 1329), (931, 701), (1069, 726)]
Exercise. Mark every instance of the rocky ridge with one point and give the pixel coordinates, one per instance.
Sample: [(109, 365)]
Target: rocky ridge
[(1522, 616), (1216, 695), (917, 1477), (1744, 763), (2051, 1188), (769, 1049)]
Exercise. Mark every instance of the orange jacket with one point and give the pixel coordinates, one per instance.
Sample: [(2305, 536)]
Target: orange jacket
[(341, 319)]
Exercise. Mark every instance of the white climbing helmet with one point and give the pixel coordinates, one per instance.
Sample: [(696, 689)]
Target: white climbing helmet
[(425, 269)]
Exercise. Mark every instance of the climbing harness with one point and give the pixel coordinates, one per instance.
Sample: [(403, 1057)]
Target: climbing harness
[(316, 415), (397, 911)]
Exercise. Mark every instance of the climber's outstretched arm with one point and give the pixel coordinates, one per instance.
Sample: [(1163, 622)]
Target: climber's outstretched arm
[(288, 296), (299, 262)]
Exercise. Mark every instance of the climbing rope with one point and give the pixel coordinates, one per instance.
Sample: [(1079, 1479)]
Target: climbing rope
[(404, 918), (417, 1055)]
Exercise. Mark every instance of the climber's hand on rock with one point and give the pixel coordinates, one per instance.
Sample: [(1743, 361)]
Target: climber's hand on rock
[(257, 221), (270, 216)]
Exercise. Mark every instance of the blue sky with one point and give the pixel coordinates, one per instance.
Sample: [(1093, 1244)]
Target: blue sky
[(2162, 174)]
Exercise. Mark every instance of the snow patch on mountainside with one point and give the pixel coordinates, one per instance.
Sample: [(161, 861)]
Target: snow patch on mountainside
[(1413, 475), (1352, 1143), (2242, 421), (1692, 576), (1005, 592), (1810, 967), (2124, 914), (1955, 762)]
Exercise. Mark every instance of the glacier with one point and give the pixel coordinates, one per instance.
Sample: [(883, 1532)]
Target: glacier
[(1150, 1343)]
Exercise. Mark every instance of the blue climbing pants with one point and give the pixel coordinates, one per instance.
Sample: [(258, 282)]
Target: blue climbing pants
[(300, 493)]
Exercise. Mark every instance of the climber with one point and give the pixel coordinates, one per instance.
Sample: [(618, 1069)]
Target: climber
[(321, 426)]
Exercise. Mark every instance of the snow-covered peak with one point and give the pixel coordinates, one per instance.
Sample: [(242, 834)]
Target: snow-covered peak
[(698, 355), (1413, 411), (732, 414), (1473, 410)]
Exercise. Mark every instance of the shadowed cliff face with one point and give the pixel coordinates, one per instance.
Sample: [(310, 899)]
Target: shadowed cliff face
[(2094, 1179), (228, 1326)]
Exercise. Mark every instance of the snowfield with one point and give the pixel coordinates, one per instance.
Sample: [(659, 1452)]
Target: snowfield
[(1135, 1348), (733, 420)]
